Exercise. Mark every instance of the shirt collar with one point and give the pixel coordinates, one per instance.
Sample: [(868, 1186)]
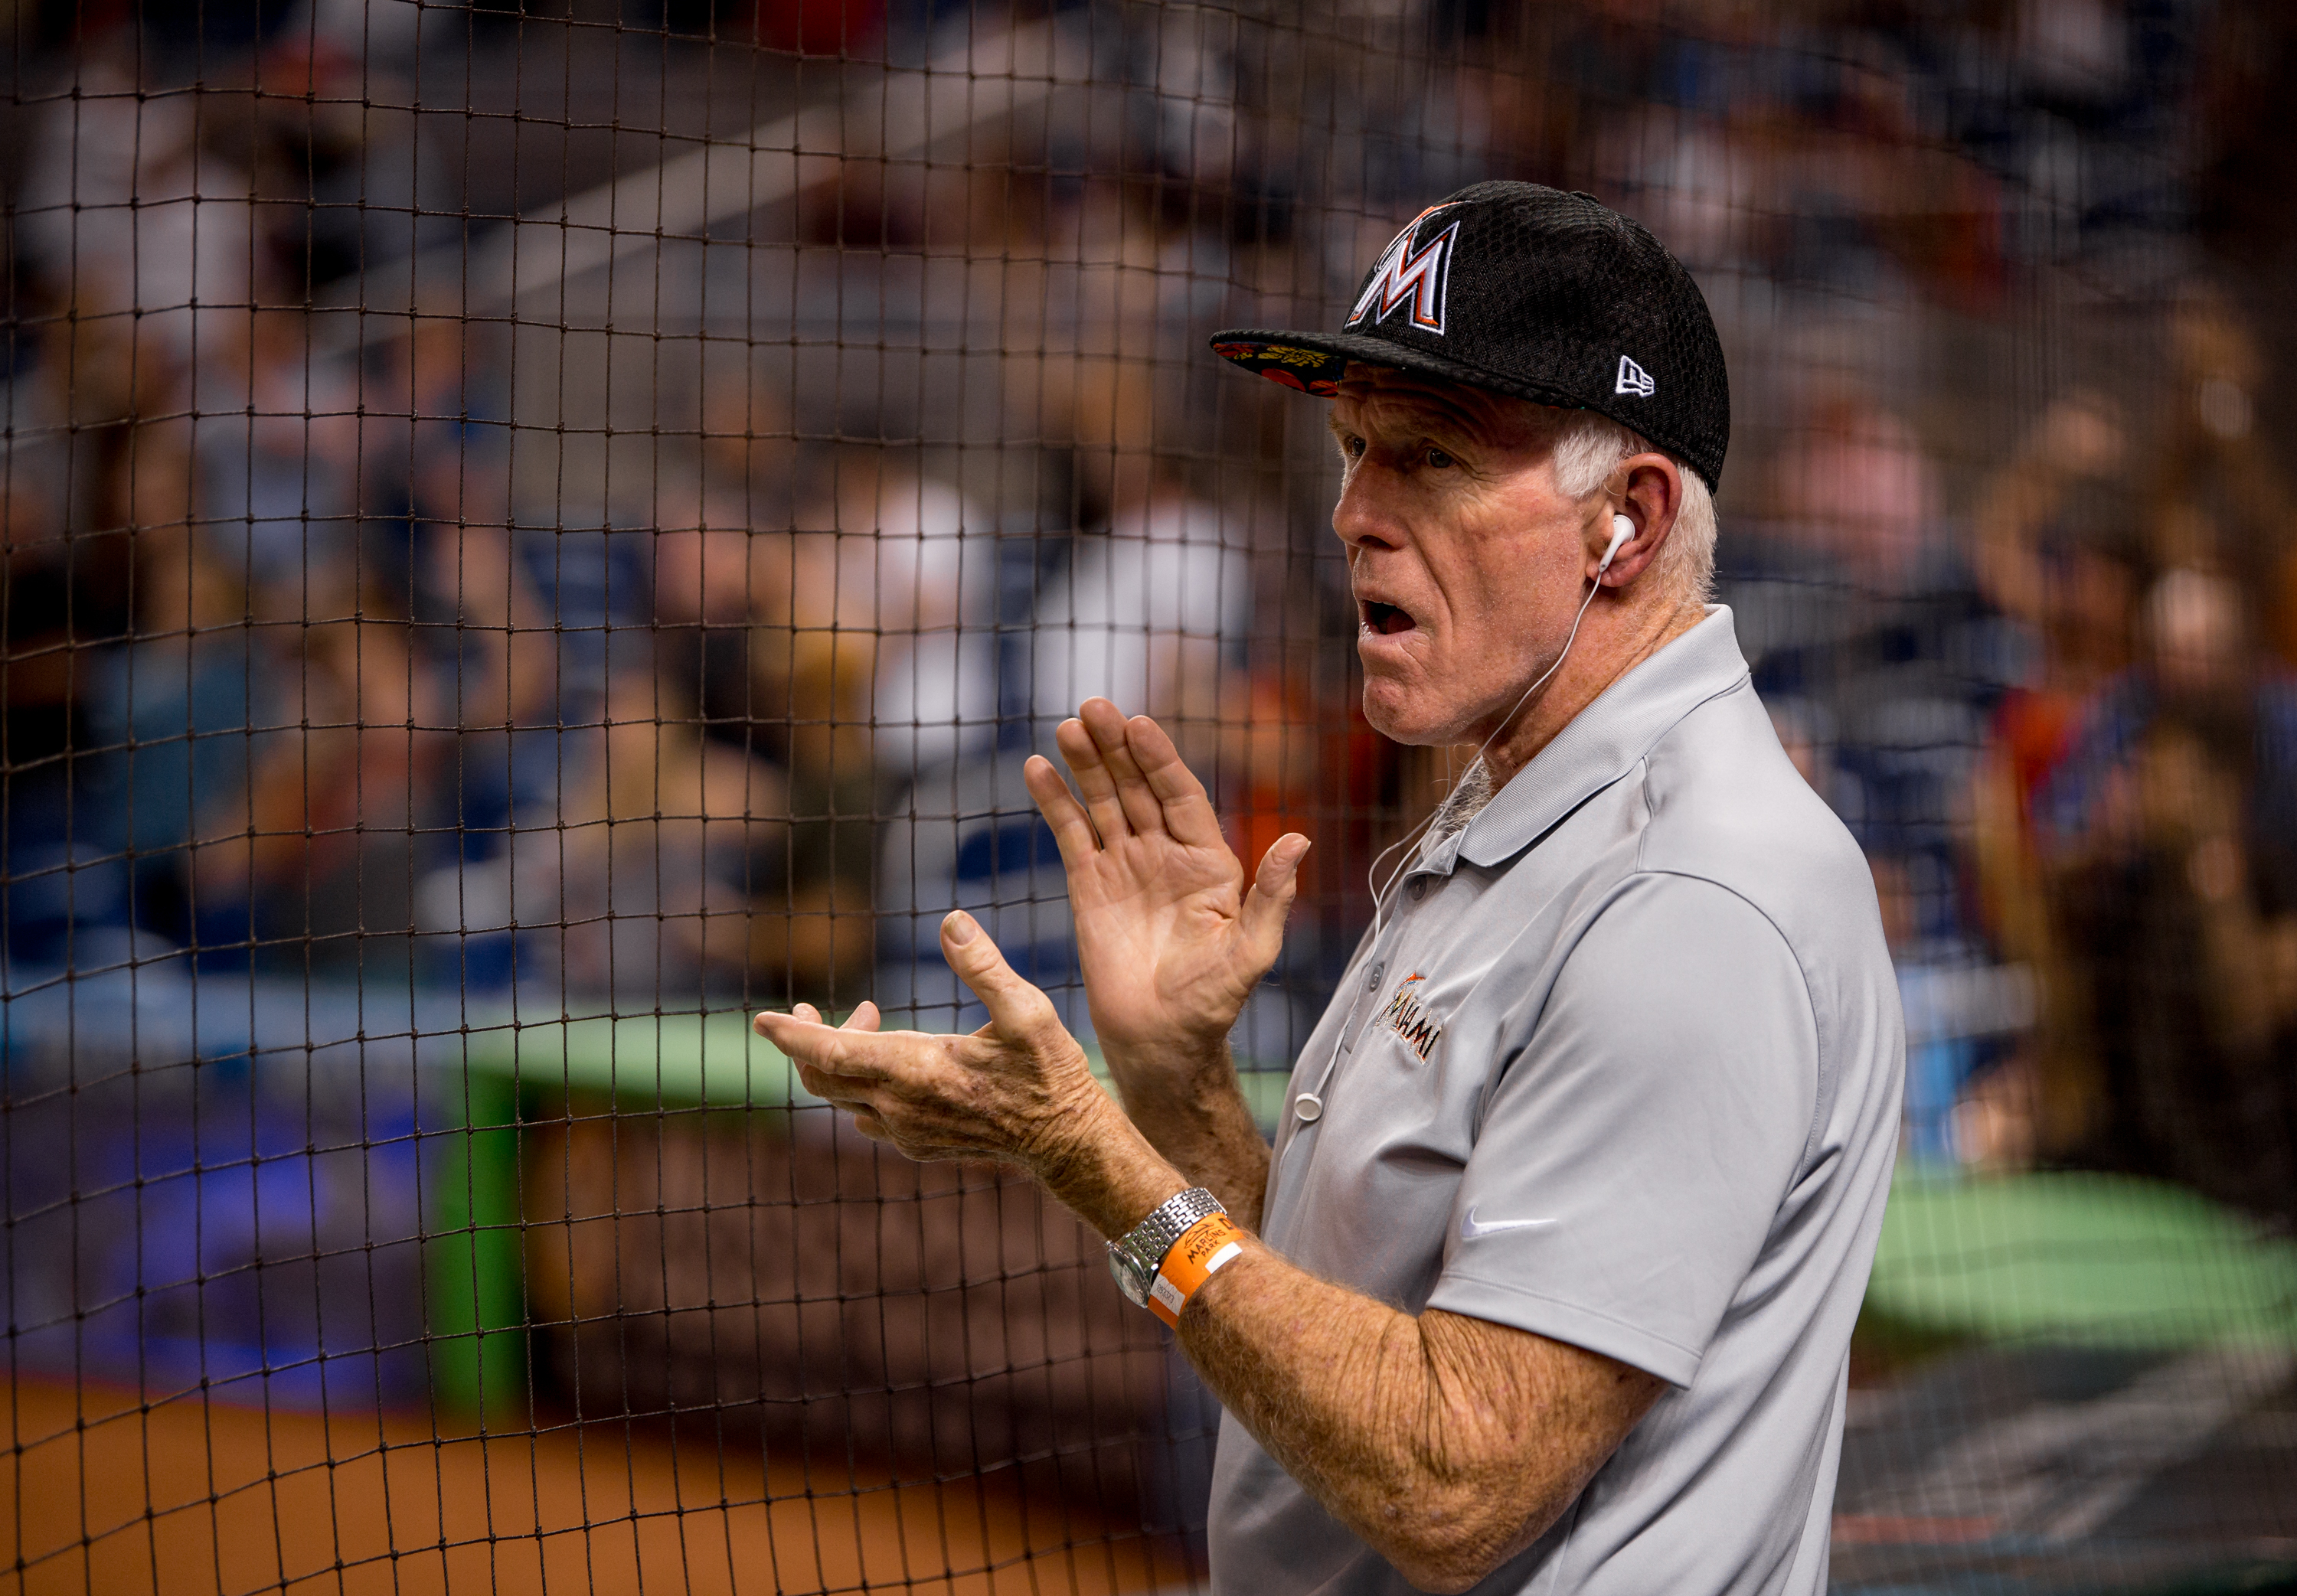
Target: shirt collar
[(1601, 743)]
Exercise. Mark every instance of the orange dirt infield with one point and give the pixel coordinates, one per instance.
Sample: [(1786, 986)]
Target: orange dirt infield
[(102, 1495)]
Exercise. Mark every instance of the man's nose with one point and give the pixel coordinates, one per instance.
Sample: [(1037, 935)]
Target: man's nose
[(1362, 518)]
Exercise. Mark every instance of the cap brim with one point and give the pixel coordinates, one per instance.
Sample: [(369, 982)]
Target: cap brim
[(1314, 363)]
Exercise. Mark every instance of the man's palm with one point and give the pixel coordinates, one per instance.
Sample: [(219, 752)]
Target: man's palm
[(1171, 939)]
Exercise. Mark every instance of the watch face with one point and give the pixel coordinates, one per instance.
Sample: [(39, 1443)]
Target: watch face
[(1128, 1280)]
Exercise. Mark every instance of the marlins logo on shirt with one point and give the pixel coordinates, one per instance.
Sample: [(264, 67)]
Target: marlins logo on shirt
[(1405, 1016), (1408, 276)]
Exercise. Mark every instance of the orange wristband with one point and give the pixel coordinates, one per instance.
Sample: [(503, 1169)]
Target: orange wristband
[(1208, 1245)]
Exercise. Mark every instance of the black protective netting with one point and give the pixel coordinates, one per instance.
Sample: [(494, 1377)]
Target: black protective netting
[(529, 532)]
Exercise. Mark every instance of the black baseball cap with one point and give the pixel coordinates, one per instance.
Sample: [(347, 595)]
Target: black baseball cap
[(1526, 290)]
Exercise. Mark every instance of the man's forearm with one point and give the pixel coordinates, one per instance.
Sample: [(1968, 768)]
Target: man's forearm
[(1188, 1105), (1447, 1444)]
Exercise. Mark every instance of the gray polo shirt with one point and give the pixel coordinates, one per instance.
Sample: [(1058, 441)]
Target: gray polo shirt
[(1622, 1068)]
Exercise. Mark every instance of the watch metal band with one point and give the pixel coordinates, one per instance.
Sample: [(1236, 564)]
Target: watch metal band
[(1134, 1256)]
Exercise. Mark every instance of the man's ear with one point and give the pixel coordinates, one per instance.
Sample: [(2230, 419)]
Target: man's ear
[(1647, 489)]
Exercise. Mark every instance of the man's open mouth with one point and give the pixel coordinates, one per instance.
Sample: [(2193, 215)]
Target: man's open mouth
[(1386, 619)]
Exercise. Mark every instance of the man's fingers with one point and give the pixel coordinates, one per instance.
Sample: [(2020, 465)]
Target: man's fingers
[(836, 1091), (865, 1018), (859, 1054), (1081, 752), (1106, 724), (1273, 888), (1071, 829), (1015, 1008), (864, 1114), (1187, 811)]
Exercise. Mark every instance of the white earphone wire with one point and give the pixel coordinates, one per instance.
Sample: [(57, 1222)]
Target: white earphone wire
[(1310, 1104), (1371, 876)]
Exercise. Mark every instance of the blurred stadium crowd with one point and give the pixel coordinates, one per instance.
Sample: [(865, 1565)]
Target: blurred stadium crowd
[(332, 650)]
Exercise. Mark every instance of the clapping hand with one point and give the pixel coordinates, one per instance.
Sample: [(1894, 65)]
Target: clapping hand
[(994, 1094), (1017, 1091), (1171, 939)]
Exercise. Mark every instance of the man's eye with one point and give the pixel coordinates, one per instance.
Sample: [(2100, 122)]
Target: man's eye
[(1438, 458), (1354, 447)]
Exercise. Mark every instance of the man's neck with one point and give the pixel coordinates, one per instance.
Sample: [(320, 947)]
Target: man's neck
[(1625, 642)]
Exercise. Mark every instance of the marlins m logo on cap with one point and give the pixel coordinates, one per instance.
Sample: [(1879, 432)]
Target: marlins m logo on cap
[(1405, 275), (1533, 293)]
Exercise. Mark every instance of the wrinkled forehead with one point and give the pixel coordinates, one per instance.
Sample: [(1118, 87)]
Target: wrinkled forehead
[(1379, 398)]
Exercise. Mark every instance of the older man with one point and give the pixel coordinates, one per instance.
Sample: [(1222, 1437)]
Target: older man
[(1549, 1280)]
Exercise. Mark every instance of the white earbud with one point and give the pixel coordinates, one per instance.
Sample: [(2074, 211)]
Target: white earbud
[(1623, 527)]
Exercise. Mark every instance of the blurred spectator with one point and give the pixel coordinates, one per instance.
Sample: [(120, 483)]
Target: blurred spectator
[(276, 450), (661, 840), (2057, 551), (877, 641), (1289, 764), (2215, 490), (2134, 821), (628, 857), (311, 864), (141, 227), (881, 651), (179, 703), (713, 579), (2166, 843), (1149, 612), (66, 890), (1751, 158), (1191, 71), (1870, 642), (1878, 659), (710, 578), (933, 688), (2056, 554), (496, 657), (336, 120), (432, 467)]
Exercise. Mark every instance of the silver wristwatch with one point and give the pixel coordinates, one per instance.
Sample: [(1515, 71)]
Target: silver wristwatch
[(1135, 1256)]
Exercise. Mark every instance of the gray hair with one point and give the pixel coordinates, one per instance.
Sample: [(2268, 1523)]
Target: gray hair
[(1588, 448)]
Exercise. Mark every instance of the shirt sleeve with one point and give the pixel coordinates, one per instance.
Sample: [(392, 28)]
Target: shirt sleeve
[(1633, 1154)]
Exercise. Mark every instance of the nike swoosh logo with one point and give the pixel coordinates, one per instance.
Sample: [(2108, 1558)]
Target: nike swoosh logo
[(1471, 1228)]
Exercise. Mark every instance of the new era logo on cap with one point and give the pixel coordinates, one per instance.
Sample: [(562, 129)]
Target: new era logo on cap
[(1405, 276), (1532, 292)]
